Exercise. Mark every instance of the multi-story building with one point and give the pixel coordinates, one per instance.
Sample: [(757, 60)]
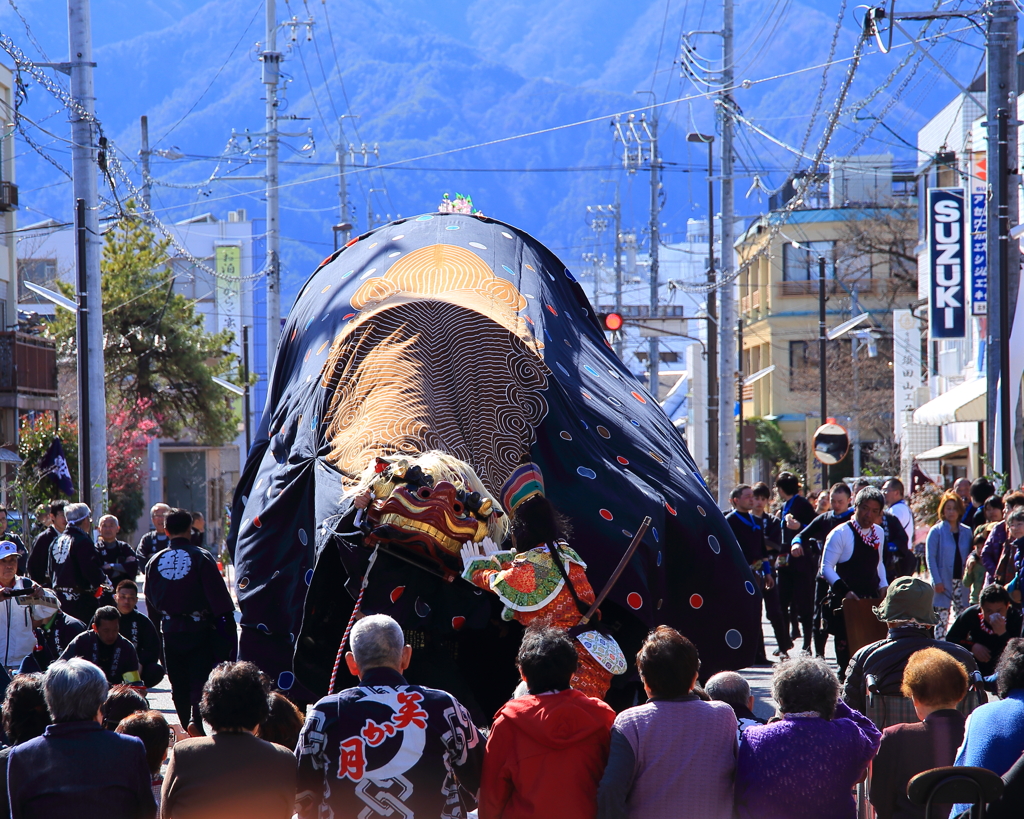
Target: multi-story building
[(948, 421), (28, 364), (866, 234)]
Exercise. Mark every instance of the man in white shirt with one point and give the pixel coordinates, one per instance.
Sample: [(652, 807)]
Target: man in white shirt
[(852, 565), (17, 638), (897, 506)]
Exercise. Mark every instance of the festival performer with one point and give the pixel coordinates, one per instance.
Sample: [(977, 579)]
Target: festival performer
[(544, 578)]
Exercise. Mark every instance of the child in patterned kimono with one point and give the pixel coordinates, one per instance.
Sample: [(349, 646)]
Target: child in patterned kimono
[(544, 579)]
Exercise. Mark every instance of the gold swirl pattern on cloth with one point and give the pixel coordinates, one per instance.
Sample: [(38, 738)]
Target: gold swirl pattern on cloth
[(438, 358)]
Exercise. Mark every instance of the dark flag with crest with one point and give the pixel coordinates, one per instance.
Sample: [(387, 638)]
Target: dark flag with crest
[(55, 467)]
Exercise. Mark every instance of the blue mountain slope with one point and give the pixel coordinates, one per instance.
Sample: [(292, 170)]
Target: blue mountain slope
[(432, 78)]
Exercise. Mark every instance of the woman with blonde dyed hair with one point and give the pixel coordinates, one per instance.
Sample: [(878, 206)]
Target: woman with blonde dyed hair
[(946, 551), (936, 683)]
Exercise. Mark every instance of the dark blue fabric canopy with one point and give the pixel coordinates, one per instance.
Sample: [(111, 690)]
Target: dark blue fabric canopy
[(463, 334)]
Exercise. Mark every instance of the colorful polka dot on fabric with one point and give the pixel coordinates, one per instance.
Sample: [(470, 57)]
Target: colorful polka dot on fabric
[(638, 397), (552, 310), (621, 460), (396, 593), (285, 680), (671, 511), (733, 638), (716, 547), (749, 587), (303, 537), (700, 509), (634, 600), (308, 576), (586, 473), (458, 622), (606, 514), (696, 601), (565, 435), (603, 432), (257, 522)]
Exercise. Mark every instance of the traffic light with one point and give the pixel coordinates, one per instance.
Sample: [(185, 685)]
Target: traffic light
[(611, 322), (831, 443)]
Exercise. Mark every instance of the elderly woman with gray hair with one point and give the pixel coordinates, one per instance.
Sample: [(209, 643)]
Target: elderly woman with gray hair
[(77, 768), (806, 763)]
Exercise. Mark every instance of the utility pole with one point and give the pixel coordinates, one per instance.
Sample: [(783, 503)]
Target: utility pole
[(246, 401), (82, 316), (653, 346), (739, 386), (822, 362), (728, 314), (639, 140), (346, 232), (271, 59), (84, 171), (144, 154), (712, 310), (1003, 255)]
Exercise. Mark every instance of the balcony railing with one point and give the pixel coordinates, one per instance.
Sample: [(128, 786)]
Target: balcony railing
[(28, 364)]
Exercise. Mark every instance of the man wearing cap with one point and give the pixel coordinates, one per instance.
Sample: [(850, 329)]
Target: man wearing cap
[(104, 646), (907, 610), (16, 637), (118, 558), (54, 632), (75, 567), (39, 557), (156, 538)]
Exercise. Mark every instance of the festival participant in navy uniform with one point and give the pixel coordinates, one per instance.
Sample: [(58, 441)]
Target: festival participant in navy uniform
[(16, 637), (534, 585), (16, 540), (39, 557), (156, 538), (851, 564), (750, 534), (385, 747), (54, 631), (119, 560), (810, 541), (186, 593), (796, 573), (104, 646), (75, 566), (897, 556), (140, 631)]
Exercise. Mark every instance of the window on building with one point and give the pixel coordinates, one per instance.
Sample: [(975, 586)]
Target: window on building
[(800, 264), (38, 271)]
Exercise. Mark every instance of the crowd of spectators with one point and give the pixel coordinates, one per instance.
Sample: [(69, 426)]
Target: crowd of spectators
[(944, 687)]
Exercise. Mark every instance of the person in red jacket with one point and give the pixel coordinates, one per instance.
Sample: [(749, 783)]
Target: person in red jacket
[(547, 749)]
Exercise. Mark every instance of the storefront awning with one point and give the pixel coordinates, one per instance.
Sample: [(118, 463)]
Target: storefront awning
[(966, 402), (940, 452)]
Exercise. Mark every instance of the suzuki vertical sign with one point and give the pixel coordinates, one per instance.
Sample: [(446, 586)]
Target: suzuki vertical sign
[(948, 244)]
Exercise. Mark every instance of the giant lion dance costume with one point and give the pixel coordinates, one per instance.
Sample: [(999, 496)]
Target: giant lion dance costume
[(463, 338)]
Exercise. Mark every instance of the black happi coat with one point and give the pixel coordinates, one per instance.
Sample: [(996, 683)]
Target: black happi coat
[(122, 559), (115, 660), (54, 637), (184, 589), (151, 543), (389, 742), (140, 631), (74, 563)]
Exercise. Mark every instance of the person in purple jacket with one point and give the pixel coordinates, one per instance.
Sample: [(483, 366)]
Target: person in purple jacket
[(806, 763)]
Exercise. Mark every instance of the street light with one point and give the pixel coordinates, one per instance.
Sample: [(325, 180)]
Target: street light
[(712, 308), (49, 295)]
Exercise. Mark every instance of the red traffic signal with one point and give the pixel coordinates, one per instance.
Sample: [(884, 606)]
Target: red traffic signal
[(611, 321)]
